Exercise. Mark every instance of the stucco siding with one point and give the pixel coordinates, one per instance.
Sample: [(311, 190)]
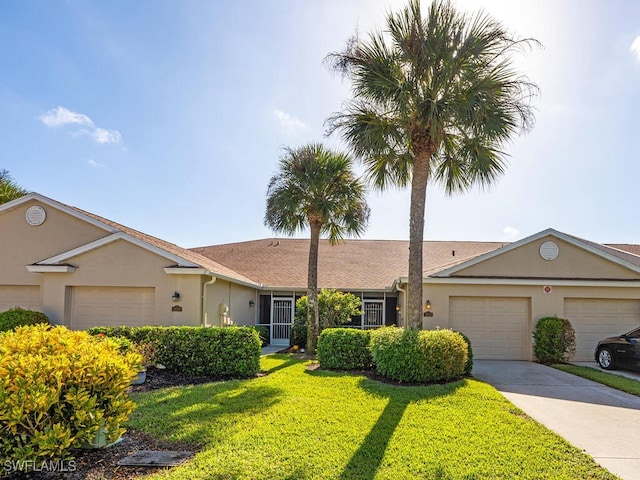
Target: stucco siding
[(236, 298), (23, 244), (23, 296), (542, 304), (122, 264)]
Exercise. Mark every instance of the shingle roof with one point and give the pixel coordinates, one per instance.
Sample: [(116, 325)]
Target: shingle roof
[(350, 265), (189, 255), (625, 251)]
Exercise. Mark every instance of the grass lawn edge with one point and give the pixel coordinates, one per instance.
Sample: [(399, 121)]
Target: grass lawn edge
[(624, 384)]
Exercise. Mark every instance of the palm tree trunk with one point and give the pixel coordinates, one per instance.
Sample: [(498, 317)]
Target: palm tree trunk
[(420, 177), (313, 316)]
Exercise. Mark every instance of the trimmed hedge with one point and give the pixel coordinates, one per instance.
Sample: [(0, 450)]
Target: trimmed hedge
[(263, 332), (468, 366), (555, 340), (344, 349), (197, 351), (58, 388), (18, 317), (411, 355)]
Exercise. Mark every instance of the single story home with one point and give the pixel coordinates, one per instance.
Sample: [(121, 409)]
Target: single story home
[(83, 270)]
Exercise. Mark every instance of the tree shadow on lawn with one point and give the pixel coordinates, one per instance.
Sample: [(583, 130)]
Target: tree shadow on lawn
[(288, 360), (366, 461), (202, 414)]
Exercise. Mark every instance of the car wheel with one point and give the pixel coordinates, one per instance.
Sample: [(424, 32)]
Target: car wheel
[(605, 359)]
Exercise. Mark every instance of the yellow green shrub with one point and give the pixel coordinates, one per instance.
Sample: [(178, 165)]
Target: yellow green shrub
[(57, 388)]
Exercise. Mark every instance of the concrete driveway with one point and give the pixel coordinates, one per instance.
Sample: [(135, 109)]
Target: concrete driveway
[(600, 420)]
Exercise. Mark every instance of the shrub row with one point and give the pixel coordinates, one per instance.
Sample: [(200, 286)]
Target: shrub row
[(400, 354), (344, 349), (197, 351), (411, 355), (17, 317), (58, 388)]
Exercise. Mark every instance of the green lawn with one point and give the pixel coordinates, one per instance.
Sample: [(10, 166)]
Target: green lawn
[(296, 424), (625, 384)]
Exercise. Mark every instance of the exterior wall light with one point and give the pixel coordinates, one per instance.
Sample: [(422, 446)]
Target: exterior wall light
[(175, 297), (427, 305), (398, 307), (252, 303)]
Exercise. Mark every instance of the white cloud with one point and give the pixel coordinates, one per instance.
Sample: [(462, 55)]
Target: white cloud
[(102, 135), (95, 164), (635, 47), (510, 234), (289, 121), (61, 116)]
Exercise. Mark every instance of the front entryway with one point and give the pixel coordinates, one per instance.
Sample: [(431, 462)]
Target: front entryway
[(372, 313), (281, 320)]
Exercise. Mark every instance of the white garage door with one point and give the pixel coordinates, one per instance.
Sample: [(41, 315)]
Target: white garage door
[(102, 306), (497, 327), (594, 320), (24, 296)]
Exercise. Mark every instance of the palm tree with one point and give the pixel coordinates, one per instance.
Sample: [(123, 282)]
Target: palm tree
[(9, 189), (316, 188), (435, 98)]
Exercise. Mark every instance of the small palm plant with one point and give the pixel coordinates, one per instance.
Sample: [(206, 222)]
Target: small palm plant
[(316, 188)]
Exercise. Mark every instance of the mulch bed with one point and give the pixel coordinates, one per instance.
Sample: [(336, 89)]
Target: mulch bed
[(161, 378), (101, 464)]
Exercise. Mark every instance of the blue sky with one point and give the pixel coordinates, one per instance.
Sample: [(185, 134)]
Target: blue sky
[(170, 116)]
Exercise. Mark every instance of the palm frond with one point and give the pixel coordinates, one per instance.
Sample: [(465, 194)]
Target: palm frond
[(316, 185)]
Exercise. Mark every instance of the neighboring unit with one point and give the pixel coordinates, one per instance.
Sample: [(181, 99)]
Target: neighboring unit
[(84, 270)]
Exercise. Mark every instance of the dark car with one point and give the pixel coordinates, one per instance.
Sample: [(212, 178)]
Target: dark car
[(620, 352)]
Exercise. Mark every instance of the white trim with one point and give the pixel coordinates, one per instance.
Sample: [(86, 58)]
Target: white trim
[(51, 268), (58, 206), (534, 281), (203, 271), (236, 281), (112, 238), (186, 271), (548, 232)]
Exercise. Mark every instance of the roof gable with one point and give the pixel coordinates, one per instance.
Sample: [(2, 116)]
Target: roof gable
[(577, 259), (63, 257), (57, 205), (115, 231)]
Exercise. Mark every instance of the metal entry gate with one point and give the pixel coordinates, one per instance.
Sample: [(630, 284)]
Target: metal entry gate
[(281, 320)]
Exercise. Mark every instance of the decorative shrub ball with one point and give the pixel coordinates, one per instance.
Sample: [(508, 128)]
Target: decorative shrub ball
[(18, 317), (555, 340), (411, 355)]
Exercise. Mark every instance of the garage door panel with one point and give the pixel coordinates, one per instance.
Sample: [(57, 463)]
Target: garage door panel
[(112, 306), (23, 296), (595, 319), (497, 326)]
